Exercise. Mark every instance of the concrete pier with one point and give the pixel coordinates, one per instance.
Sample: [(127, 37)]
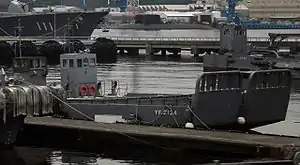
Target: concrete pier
[(276, 147), (152, 45)]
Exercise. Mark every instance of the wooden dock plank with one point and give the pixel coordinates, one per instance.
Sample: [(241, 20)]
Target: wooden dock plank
[(276, 143)]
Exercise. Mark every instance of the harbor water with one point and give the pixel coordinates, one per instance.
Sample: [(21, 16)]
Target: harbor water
[(141, 75)]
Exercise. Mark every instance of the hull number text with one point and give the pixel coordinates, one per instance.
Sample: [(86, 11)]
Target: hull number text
[(165, 112)]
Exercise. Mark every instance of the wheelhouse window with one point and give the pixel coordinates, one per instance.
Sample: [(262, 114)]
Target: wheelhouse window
[(79, 63), (42, 63), (65, 63), (71, 63), (31, 63), (34, 63), (92, 62), (85, 62)]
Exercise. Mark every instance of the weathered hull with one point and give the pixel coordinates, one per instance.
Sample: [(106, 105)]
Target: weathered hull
[(230, 100), (156, 110), (66, 24), (148, 115), (259, 103)]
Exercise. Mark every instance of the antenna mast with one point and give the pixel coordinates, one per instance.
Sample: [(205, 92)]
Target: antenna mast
[(19, 28), (69, 29), (54, 22)]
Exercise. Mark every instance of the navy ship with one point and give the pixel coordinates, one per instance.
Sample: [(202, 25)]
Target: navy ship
[(48, 21)]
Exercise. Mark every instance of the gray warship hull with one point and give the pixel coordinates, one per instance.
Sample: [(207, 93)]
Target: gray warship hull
[(50, 24)]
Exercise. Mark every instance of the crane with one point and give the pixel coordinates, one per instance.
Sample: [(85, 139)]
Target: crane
[(123, 5), (231, 14), (82, 4)]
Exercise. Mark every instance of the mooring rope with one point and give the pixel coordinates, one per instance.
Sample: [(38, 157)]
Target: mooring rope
[(172, 111), (124, 134), (190, 109)]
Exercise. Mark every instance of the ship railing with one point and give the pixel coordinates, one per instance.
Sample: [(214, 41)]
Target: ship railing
[(106, 88), (127, 38), (251, 39)]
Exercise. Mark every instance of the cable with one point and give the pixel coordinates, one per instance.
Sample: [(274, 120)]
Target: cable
[(172, 111), (199, 119)]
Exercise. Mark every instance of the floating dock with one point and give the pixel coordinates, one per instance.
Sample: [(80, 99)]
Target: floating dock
[(256, 145)]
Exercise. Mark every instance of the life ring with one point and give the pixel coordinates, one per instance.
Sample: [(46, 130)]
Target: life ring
[(83, 90), (92, 90)]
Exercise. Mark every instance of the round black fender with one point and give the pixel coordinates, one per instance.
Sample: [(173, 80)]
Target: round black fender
[(293, 50), (223, 51), (73, 46), (28, 48), (51, 49), (7, 54), (105, 49)]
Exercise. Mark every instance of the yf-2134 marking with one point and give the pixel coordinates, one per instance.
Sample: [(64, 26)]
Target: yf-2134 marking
[(165, 112)]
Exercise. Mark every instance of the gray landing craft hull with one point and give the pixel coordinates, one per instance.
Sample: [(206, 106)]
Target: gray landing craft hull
[(81, 23), (222, 100), (155, 110)]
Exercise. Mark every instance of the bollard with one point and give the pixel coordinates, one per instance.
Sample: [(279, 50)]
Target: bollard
[(217, 162)]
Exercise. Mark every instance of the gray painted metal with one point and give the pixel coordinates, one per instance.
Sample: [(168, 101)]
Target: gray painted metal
[(218, 101), (32, 70), (235, 53), (217, 98), (261, 98), (144, 114), (78, 69), (240, 57), (234, 39)]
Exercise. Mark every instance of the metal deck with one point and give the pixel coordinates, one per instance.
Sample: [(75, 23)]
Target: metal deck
[(277, 147)]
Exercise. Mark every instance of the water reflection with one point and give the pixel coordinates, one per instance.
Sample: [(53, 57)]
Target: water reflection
[(113, 155)]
